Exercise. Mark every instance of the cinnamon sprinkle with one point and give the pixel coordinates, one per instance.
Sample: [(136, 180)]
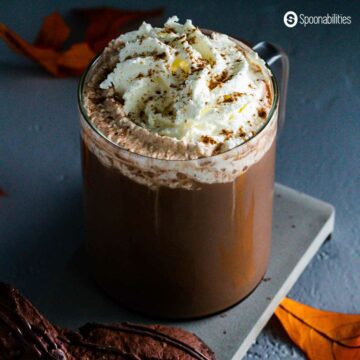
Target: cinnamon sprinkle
[(229, 98), (218, 80), (207, 140), (217, 149), (227, 133), (262, 113), (241, 132)]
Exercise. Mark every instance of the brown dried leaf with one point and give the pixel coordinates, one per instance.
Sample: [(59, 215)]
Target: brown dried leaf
[(76, 59), (105, 23), (45, 57), (53, 33)]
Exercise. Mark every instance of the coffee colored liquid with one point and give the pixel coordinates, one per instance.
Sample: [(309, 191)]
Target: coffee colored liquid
[(173, 252)]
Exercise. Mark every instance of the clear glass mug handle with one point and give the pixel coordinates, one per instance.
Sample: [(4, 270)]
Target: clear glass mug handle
[(278, 60)]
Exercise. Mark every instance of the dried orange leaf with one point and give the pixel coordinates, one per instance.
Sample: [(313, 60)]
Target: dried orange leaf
[(70, 62), (321, 334), (45, 57), (76, 59), (53, 33), (105, 23)]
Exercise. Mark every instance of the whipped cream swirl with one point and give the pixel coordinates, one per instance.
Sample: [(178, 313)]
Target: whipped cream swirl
[(180, 83)]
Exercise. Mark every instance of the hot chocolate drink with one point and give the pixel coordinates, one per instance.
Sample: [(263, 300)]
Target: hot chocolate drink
[(178, 143)]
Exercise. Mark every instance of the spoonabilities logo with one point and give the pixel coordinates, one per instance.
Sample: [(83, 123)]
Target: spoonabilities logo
[(290, 19)]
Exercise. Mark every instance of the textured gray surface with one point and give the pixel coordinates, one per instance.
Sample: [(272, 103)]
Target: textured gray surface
[(301, 224), (318, 153)]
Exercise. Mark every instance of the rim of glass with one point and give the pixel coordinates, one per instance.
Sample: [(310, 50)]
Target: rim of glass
[(80, 98)]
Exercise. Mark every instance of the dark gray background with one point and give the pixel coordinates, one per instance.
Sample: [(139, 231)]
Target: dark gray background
[(318, 153)]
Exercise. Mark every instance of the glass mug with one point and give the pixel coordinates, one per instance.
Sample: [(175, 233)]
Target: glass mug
[(180, 248)]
